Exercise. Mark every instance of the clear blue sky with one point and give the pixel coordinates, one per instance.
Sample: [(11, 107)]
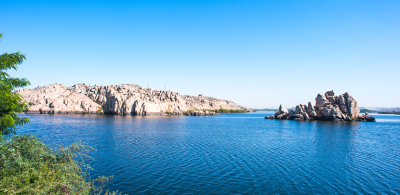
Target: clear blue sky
[(256, 53)]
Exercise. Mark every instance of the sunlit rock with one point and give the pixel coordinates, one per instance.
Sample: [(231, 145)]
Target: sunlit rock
[(327, 107)]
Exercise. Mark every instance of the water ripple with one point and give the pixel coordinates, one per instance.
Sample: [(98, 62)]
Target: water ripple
[(233, 153)]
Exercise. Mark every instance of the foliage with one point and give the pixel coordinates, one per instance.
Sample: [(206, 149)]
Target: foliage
[(389, 112), (10, 103), (28, 166), (230, 111), (369, 111), (100, 110), (187, 112), (217, 111)]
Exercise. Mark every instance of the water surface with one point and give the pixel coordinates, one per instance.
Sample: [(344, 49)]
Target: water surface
[(233, 153)]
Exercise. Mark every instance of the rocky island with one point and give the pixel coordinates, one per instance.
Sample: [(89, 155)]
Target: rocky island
[(327, 107), (126, 99)]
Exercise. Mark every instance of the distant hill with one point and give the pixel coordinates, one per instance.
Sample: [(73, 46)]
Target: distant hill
[(367, 110), (380, 109), (392, 112)]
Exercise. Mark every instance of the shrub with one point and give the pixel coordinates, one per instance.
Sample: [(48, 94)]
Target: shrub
[(100, 110), (230, 111), (187, 112), (28, 166)]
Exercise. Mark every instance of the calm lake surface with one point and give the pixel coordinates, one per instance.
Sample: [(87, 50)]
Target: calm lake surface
[(233, 153)]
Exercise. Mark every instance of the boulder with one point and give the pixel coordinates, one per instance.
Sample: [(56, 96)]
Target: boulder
[(320, 101), (327, 112), (303, 107), (283, 110), (353, 108), (313, 114), (330, 97), (340, 100), (298, 110), (336, 112), (296, 116), (305, 116), (291, 112), (310, 107), (351, 104), (329, 93), (277, 113), (343, 108)]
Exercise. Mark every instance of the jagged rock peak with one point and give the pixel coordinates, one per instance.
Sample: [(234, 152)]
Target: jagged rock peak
[(125, 99), (327, 107)]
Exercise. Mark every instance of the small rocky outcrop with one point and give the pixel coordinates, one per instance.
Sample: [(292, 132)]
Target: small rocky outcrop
[(327, 107), (124, 99)]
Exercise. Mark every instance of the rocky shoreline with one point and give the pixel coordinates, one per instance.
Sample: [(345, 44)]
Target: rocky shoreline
[(327, 107), (126, 99)]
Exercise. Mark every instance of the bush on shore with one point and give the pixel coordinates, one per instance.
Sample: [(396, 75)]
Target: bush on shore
[(28, 166), (230, 111)]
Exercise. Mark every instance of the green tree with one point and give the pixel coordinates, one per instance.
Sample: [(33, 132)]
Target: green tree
[(11, 103)]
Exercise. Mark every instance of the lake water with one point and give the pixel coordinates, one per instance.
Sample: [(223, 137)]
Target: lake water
[(233, 153)]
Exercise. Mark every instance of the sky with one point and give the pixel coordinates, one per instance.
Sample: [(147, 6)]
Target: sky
[(258, 54)]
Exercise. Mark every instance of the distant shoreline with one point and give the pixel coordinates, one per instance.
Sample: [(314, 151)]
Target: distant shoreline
[(393, 112), (194, 112), (265, 109)]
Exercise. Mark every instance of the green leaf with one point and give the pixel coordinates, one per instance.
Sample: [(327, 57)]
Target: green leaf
[(10, 103)]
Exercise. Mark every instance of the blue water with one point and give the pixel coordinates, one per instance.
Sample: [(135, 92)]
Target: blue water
[(233, 153)]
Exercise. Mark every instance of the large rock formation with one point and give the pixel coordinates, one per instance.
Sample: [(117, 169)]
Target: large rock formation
[(124, 99), (327, 107)]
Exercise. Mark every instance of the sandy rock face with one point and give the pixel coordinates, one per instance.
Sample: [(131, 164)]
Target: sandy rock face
[(124, 99), (327, 107)]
